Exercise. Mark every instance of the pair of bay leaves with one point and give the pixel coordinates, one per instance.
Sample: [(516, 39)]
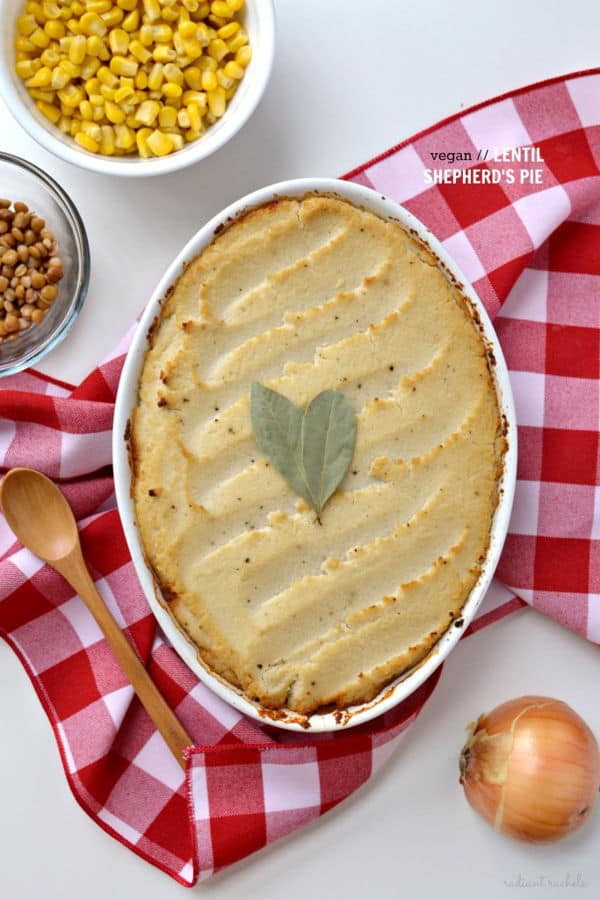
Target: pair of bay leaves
[(311, 449)]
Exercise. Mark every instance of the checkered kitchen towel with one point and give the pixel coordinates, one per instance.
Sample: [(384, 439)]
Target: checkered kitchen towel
[(530, 243)]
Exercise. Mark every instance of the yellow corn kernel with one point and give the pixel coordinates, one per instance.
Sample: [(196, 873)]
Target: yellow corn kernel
[(118, 41), (147, 112), (243, 56), (39, 38), (151, 10), (193, 78), (207, 63), (48, 110), (192, 5), (77, 8), (121, 65), (172, 91), (73, 26), (96, 99), (163, 53), (54, 29), (108, 93), (187, 29), (155, 77), (217, 49), (26, 25), (194, 117), (183, 118), (51, 10), (86, 110), (196, 97), (216, 101), (167, 117), (71, 96), (98, 113), (235, 5), (159, 143), (113, 112), (74, 125), (70, 68), (228, 31), (137, 49), (98, 6), (64, 123), (192, 49), (141, 139), (124, 137), (224, 81), (42, 94), (209, 81), (221, 9), (113, 17), (131, 21), (162, 34), (125, 92), (237, 41), (60, 78), (169, 14), (141, 80), (24, 45), (127, 5), (92, 129), (26, 68), (89, 67), (145, 36), (173, 73), (42, 78), (107, 77), (192, 135), (77, 49), (95, 45), (87, 142), (233, 70), (176, 140), (107, 143), (91, 23)]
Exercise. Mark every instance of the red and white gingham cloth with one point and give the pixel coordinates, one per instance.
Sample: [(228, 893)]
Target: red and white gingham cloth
[(533, 254)]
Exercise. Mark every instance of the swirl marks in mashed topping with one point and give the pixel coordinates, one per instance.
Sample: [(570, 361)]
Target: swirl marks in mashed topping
[(306, 295)]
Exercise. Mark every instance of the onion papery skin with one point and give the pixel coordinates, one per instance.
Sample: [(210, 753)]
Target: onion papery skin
[(531, 768)]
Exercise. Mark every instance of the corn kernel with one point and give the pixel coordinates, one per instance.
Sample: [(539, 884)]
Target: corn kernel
[(121, 65), (26, 25), (131, 21), (155, 77), (151, 9), (173, 73), (192, 5), (39, 38), (107, 92), (227, 31), (113, 17), (176, 140), (60, 78), (87, 142), (183, 118), (64, 123), (141, 138), (125, 92), (98, 113), (192, 135), (95, 45), (221, 9), (235, 5), (77, 8), (77, 49), (160, 144), (172, 91), (207, 62), (137, 49), (141, 80), (217, 49), (147, 112), (196, 97), (71, 96), (98, 6), (243, 56), (162, 34), (113, 112), (42, 78), (233, 70), (209, 81), (107, 143), (73, 26), (89, 67), (124, 137), (49, 110), (193, 78), (216, 101), (26, 68), (164, 54), (74, 125), (167, 117), (86, 110), (107, 77), (118, 41), (54, 29), (127, 5), (70, 68), (237, 41), (91, 23)]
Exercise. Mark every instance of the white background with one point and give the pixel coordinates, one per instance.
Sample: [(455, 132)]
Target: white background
[(351, 77)]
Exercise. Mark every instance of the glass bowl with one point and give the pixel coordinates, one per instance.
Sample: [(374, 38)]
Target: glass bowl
[(22, 181)]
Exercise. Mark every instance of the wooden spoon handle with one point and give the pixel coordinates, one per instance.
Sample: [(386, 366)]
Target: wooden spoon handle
[(73, 568)]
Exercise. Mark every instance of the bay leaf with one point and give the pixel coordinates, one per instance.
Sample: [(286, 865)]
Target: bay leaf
[(328, 434), (277, 423)]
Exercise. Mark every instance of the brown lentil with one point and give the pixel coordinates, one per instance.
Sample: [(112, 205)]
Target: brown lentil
[(29, 269)]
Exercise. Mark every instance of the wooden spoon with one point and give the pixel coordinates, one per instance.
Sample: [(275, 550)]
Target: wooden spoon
[(44, 522)]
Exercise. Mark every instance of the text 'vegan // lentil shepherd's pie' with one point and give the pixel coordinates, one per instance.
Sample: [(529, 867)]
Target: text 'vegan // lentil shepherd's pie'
[(302, 609)]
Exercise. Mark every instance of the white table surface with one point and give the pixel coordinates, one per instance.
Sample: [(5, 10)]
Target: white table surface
[(350, 79)]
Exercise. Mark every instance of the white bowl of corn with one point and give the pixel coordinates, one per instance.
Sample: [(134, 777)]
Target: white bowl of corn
[(134, 87)]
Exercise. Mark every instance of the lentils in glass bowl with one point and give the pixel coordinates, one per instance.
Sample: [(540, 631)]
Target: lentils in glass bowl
[(44, 264)]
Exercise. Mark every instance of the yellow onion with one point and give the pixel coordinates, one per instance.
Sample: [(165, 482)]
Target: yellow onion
[(531, 768)]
